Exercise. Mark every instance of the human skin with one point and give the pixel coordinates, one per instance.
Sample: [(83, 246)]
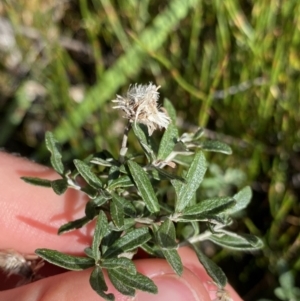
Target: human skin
[(30, 217)]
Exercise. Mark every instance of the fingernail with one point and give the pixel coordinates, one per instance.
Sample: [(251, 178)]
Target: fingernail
[(172, 287)]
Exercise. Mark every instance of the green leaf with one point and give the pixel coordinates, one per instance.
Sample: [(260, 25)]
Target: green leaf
[(128, 223), (117, 213), (194, 178), (129, 209), (215, 146), (128, 242), (170, 109), (211, 268), (168, 142), (119, 284), (37, 181), (116, 263), (101, 230), (59, 186), (143, 140), (91, 206), (55, 153), (243, 198), (121, 182), (210, 206), (167, 175), (87, 174), (137, 281), (76, 224), (242, 242), (144, 186), (166, 235), (174, 260), (110, 239), (73, 263), (98, 284)]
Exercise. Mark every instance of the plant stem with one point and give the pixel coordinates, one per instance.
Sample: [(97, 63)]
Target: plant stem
[(124, 148)]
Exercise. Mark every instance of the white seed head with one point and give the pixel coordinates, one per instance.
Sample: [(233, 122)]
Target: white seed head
[(26, 266), (140, 105)]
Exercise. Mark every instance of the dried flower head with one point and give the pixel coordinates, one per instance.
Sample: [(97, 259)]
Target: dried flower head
[(26, 266), (140, 105)]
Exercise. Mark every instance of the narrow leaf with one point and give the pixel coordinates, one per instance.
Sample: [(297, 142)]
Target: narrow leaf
[(74, 263), (211, 268), (242, 242), (143, 140), (137, 281), (59, 186), (76, 224), (120, 285), (166, 236), (98, 284), (121, 182), (194, 178), (243, 198), (55, 153), (129, 209), (144, 186), (170, 109), (91, 206), (101, 230), (174, 260), (210, 206), (37, 181), (215, 146), (117, 213), (129, 241), (87, 174), (167, 175), (168, 142), (116, 263)]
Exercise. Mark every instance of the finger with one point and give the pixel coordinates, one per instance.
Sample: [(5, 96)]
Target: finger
[(75, 286), (31, 215), (190, 261)]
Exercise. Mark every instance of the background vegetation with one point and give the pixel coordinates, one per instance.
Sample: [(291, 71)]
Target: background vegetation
[(230, 66)]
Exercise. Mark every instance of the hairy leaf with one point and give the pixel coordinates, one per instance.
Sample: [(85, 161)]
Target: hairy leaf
[(101, 230), (59, 186), (76, 224), (243, 198), (174, 260), (116, 263), (119, 284), (128, 242), (137, 281), (129, 209), (168, 142), (242, 242), (215, 146), (210, 206), (55, 153), (87, 174), (117, 213), (143, 140), (144, 186), (211, 268), (121, 182), (166, 235), (194, 177), (98, 284), (74, 263), (37, 181)]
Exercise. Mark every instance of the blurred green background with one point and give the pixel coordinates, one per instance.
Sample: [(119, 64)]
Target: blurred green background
[(232, 67)]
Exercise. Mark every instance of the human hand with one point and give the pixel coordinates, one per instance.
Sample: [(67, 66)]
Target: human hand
[(30, 217)]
